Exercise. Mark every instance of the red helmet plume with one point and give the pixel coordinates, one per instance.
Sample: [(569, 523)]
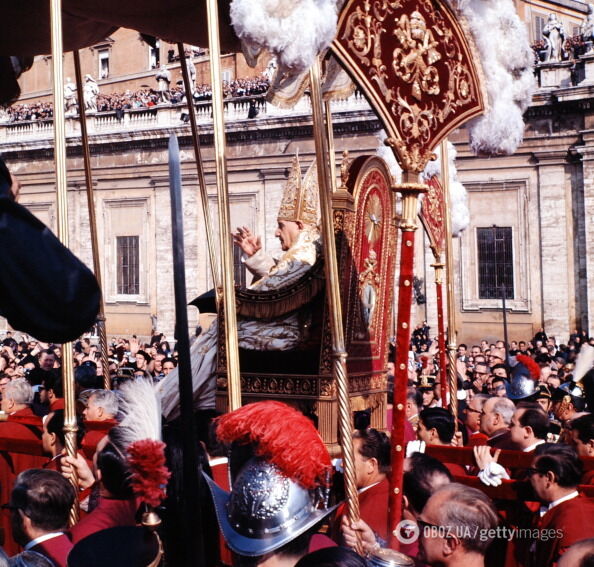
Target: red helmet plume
[(281, 435)]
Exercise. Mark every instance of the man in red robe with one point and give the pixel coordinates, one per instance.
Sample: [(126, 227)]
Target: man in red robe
[(20, 445), (372, 462), (100, 416), (117, 505), (565, 515)]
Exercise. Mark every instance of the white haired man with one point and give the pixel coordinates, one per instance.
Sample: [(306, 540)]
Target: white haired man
[(496, 418), (20, 445), (100, 416)]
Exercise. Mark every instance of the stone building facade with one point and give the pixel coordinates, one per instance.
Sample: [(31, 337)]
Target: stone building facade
[(538, 202)]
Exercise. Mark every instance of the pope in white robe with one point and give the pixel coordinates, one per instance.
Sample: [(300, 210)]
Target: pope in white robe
[(300, 241)]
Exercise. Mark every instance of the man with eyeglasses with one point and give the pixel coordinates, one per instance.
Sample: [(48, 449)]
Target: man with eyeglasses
[(565, 513), (480, 376), (472, 420), (496, 386), (495, 421)]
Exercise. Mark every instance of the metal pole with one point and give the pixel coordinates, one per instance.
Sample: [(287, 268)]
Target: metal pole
[(214, 266), (451, 300), (410, 190), (330, 138), (504, 311), (230, 320), (92, 218), (70, 426), (192, 525), (339, 355), (441, 339)]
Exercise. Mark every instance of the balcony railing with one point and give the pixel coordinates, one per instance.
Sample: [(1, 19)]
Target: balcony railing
[(168, 116)]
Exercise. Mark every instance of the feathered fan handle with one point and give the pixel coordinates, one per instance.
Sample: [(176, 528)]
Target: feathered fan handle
[(149, 474), (530, 364), (282, 435)]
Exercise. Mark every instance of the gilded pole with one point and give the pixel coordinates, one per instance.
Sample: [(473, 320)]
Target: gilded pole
[(410, 190), (339, 354), (330, 138), (451, 300), (214, 267), (92, 218), (230, 321), (441, 337), (70, 426)]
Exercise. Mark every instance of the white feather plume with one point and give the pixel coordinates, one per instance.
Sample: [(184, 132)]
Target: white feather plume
[(507, 60), (583, 362), (387, 154), (139, 412), (293, 30), (458, 195)]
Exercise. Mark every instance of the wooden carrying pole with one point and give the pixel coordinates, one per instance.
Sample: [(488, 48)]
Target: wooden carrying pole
[(214, 266), (92, 218), (410, 190), (230, 320), (441, 336), (339, 355), (70, 426), (451, 302)]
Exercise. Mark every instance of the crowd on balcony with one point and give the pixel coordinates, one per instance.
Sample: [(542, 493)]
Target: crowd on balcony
[(142, 98)]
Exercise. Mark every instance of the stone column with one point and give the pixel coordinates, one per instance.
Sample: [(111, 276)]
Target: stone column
[(587, 153), (556, 243)]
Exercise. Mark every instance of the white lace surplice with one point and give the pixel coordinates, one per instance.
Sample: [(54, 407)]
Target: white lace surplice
[(255, 334)]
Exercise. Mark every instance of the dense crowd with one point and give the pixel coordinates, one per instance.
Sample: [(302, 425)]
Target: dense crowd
[(523, 410), (533, 397), (127, 357), (142, 98)]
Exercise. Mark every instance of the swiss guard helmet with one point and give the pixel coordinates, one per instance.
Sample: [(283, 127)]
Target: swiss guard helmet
[(281, 488), (523, 383)]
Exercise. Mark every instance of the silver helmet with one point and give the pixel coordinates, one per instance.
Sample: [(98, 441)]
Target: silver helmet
[(521, 387), (265, 509)]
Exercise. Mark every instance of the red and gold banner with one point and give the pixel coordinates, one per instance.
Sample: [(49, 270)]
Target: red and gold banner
[(414, 62), (433, 216)]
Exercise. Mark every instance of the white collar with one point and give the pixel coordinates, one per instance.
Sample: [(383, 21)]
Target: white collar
[(570, 496), (533, 446), (362, 490), (41, 539)]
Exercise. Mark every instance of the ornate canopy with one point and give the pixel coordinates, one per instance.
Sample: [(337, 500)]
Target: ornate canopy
[(414, 62)]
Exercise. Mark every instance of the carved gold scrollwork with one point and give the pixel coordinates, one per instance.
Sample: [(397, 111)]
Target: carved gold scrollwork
[(413, 157), (345, 166), (413, 60), (382, 8), (431, 82)]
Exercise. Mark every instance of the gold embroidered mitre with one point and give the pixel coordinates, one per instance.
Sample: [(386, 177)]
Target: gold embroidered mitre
[(300, 197)]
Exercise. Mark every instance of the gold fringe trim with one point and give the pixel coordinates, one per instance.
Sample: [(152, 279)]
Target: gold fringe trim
[(276, 303)]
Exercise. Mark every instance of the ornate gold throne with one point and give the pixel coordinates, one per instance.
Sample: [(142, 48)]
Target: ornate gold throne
[(365, 230)]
